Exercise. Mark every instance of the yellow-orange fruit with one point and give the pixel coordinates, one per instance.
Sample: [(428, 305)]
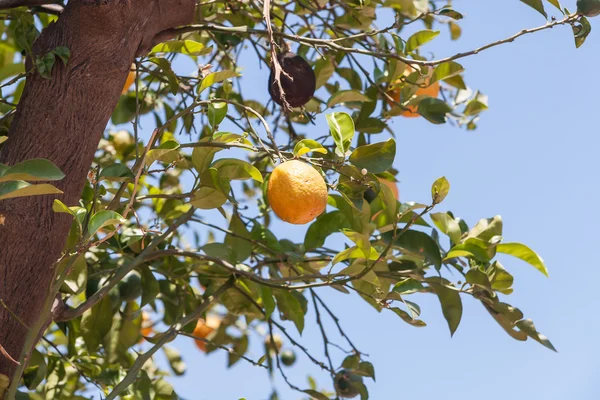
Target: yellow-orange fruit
[(204, 329), (297, 193)]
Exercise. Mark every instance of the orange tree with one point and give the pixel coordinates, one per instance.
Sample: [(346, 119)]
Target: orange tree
[(99, 227)]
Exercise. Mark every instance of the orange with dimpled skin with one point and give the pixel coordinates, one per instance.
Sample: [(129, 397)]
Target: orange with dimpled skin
[(297, 192)]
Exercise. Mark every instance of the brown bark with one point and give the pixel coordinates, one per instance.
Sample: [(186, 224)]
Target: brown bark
[(62, 120)]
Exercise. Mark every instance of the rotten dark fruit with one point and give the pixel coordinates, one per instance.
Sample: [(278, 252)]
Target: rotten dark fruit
[(300, 88)]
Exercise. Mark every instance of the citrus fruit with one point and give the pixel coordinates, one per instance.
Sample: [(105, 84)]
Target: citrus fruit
[(130, 79), (346, 383), (204, 328), (432, 90), (146, 324), (288, 358), (297, 193), (300, 88)]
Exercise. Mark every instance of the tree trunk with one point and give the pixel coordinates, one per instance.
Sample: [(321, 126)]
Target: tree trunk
[(62, 120)]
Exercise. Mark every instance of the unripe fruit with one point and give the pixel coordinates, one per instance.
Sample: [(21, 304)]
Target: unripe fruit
[(288, 358)]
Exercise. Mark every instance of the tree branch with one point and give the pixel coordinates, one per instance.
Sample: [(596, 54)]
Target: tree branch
[(333, 43)]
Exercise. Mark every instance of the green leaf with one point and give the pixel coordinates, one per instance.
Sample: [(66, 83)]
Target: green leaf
[(187, 47), (202, 157), (240, 244), (216, 77), (365, 368), (325, 225), (418, 243), (234, 168), (556, 4), (471, 249), (581, 31), (117, 173), (175, 360), (129, 330), (324, 69), (407, 318), (351, 362), (150, 286), (375, 158), (408, 286), (167, 152), (434, 110), (537, 5), (446, 70), (353, 253), (341, 127), (344, 96), (63, 53), (308, 145), (44, 65), (96, 323), (76, 279), (239, 348), (447, 12), (290, 307), (14, 189), (3, 139), (36, 370), (449, 299), (167, 70), (419, 39), (528, 327), (31, 170), (103, 219), (216, 113), (447, 225), (524, 253), (208, 198), (439, 190)]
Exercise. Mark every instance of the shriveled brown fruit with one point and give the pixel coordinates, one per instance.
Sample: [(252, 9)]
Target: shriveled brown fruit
[(298, 90)]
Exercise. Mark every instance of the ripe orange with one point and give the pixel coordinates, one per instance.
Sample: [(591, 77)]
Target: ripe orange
[(432, 90), (297, 193), (146, 324), (204, 329), (130, 79)]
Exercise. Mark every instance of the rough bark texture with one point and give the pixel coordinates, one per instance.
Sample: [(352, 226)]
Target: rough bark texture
[(62, 120)]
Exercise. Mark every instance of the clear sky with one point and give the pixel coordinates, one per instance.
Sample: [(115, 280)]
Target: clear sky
[(533, 161)]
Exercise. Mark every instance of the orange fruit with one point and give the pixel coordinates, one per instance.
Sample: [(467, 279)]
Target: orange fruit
[(297, 193), (130, 79), (204, 329), (146, 325), (146, 329), (432, 90)]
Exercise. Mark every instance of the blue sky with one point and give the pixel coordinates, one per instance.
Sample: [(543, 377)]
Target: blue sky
[(533, 161)]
